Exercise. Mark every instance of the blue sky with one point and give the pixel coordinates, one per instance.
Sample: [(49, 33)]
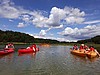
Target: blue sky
[(63, 20)]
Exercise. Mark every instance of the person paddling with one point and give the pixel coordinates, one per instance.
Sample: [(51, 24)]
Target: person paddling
[(83, 48), (33, 47), (10, 45), (92, 49), (75, 47), (97, 52)]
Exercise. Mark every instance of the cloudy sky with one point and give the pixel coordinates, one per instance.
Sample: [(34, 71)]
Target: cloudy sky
[(63, 20)]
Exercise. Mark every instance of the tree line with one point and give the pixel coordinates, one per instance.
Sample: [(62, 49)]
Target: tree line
[(95, 40), (13, 36)]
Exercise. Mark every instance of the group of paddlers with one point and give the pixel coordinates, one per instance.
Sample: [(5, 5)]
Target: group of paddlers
[(33, 47), (85, 48)]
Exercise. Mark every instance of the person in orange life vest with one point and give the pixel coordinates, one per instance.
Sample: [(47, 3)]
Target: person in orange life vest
[(75, 47)]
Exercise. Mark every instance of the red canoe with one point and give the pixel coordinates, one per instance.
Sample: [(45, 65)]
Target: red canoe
[(6, 51)]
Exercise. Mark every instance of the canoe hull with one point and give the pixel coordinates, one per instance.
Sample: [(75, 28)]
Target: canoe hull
[(6, 51), (78, 53), (84, 54), (91, 55)]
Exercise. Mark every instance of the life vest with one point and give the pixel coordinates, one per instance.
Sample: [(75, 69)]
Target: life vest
[(81, 47), (92, 49), (10, 45), (75, 47)]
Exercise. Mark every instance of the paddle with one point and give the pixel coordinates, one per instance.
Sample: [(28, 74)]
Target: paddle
[(97, 52)]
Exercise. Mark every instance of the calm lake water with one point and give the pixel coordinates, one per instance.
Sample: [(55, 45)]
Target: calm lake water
[(54, 60)]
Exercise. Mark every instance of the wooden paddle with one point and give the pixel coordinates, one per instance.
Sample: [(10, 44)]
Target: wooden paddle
[(97, 52)]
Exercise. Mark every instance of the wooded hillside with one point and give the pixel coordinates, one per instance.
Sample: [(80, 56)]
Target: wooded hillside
[(11, 36), (95, 40)]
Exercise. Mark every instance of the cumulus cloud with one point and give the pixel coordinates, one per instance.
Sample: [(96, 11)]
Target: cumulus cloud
[(54, 20), (44, 32), (20, 25), (83, 33), (26, 18), (54, 38), (38, 19), (57, 15), (74, 15), (9, 10)]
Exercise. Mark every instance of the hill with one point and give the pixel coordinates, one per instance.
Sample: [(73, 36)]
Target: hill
[(95, 40), (11, 36)]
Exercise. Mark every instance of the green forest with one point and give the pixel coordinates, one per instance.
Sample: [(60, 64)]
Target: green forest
[(12, 36), (95, 40)]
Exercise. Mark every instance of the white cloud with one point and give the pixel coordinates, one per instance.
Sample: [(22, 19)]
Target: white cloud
[(74, 15), (70, 15), (9, 10), (11, 20), (54, 20), (92, 22), (26, 18), (44, 32), (83, 33), (61, 26), (74, 20), (37, 18), (54, 38), (20, 25)]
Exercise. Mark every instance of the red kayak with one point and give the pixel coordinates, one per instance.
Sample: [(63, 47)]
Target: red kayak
[(6, 51), (29, 49), (25, 51)]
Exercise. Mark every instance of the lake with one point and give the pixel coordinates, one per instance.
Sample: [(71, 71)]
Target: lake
[(53, 60)]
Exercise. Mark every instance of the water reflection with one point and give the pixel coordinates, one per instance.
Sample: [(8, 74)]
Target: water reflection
[(8, 56), (83, 59), (55, 60), (32, 55)]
